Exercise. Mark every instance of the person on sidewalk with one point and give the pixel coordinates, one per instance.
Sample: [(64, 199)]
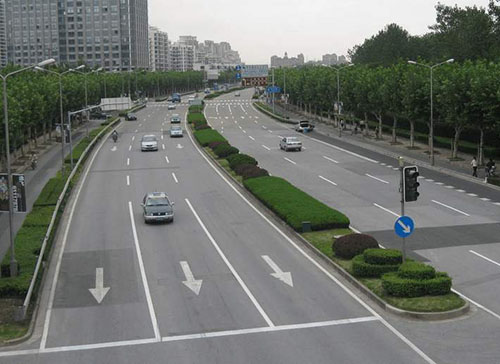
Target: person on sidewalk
[(474, 166)]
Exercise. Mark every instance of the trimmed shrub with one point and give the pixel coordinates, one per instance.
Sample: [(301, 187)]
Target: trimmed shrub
[(196, 109), (207, 136), (224, 150), (237, 159), (50, 192), (39, 216), (214, 145), (397, 286), (416, 270), (348, 246), (250, 171), (196, 116), (202, 127), (293, 205), (360, 268), (383, 256)]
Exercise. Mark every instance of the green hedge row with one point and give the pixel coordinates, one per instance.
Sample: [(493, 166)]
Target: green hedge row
[(360, 268), (293, 205), (219, 93), (29, 238), (207, 136), (196, 117), (196, 108), (415, 279)]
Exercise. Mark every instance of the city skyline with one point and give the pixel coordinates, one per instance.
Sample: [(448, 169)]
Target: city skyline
[(327, 27)]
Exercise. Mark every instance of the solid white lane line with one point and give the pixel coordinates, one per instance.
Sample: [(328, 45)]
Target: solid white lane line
[(50, 305), (230, 266), (128, 161), (166, 158), (451, 208), (485, 258), (128, 180), (263, 146), (145, 284), (129, 148), (375, 178), (327, 180), (175, 177), (330, 159), (251, 137), (313, 261), (289, 160), (477, 304), (386, 210), (345, 151)]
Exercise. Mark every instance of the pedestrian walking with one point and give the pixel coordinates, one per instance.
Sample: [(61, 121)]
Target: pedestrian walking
[(474, 166)]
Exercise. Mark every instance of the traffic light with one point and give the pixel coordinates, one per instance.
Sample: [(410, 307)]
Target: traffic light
[(410, 183)]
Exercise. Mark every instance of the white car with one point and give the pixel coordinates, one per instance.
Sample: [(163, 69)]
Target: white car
[(237, 94), (290, 143), (149, 142), (171, 107), (175, 119), (175, 131)]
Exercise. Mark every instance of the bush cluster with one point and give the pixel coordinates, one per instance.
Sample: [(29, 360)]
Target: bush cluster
[(196, 117), (214, 145), (415, 279), (250, 171), (237, 159), (223, 150), (348, 246), (196, 109), (207, 136), (375, 262), (293, 205)]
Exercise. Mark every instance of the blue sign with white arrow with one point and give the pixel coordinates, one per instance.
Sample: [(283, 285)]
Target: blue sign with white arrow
[(404, 226), (273, 90)]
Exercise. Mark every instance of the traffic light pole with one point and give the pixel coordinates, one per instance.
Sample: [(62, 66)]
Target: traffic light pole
[(402, 189)]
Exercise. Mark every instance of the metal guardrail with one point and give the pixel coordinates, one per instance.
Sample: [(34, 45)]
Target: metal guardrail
[(60, 199)]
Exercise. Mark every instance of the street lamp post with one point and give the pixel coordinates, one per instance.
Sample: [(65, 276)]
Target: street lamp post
[(338, 69), (63, 134), (13, 262), (431, 131)]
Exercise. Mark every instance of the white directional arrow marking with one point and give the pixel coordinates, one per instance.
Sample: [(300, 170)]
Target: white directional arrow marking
[(191, 283), (114, 149), (285, 277), (406, 229), (99, 291), (179, 146)]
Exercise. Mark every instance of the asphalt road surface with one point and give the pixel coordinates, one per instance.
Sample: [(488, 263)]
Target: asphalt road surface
[(457, 221), (221, 284)]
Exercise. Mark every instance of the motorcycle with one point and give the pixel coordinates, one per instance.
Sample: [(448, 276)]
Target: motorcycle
[(34, 162), (115, 137)]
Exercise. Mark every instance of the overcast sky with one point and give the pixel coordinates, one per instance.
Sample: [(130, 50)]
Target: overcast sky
[(259, 29)]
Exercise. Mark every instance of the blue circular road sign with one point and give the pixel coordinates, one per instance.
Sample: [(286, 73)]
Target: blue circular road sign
[(404, 226)]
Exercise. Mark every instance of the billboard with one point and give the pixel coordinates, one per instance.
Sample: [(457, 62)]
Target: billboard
[(18, 191), (255, 70)]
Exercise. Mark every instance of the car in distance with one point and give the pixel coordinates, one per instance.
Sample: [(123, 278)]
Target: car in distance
[(130, 116), (175, 119), (171, 107), (304, 126), (237, 94), (176, 131), (149, 142), (290, 143), (157, 207), (207, 91)]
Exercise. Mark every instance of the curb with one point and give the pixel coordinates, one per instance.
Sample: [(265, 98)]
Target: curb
[(422, 316)]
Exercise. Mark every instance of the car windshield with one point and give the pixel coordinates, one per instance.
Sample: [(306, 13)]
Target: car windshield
[(150, 138), (157, 201), (292, 140), (176, 128)]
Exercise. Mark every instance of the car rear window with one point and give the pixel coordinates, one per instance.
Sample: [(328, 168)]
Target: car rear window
[(149, 139)]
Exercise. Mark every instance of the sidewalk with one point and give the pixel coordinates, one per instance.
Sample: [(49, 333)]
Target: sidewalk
[(384, 146), (49, 163)]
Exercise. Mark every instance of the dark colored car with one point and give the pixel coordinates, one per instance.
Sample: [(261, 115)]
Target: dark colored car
[(99, 115), (130, 116), (157, 207)]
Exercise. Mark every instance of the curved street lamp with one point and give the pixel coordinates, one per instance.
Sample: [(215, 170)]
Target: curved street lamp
[(431, 131), (13, 262), (338, 69)]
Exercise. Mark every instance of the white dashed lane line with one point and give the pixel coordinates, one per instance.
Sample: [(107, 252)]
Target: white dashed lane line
[(166, 158), (128, 180), (386, 210), (128, 161), (175, 177), (263, 146), (289, 160), (451, 208), (327, 180), (330, 159), (251, 137), (376, 178)]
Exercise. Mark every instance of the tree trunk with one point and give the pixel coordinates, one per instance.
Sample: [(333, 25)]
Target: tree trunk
[(456, 139), (394, 125), (379, 118), (412, 134), (367, 126), (481, 146), (44, 131)]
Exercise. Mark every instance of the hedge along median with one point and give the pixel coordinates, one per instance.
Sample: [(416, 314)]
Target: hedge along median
[(30, 236), (293, 205)]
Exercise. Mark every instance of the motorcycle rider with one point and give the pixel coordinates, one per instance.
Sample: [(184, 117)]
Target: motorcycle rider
[(490, 168), (114, 135)]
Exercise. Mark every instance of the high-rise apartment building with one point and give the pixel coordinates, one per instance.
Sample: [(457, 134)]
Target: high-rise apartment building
[(158, 50), (286, 61), (181, 57), (3, 35), (112, 34)]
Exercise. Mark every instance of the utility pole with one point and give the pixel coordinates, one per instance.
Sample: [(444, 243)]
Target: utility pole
[(401, 188), (273, 93)]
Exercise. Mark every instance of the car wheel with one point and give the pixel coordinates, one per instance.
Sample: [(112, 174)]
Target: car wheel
[(300, 149)]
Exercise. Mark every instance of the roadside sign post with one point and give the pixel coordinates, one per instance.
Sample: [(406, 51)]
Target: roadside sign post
[(401, 188)]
